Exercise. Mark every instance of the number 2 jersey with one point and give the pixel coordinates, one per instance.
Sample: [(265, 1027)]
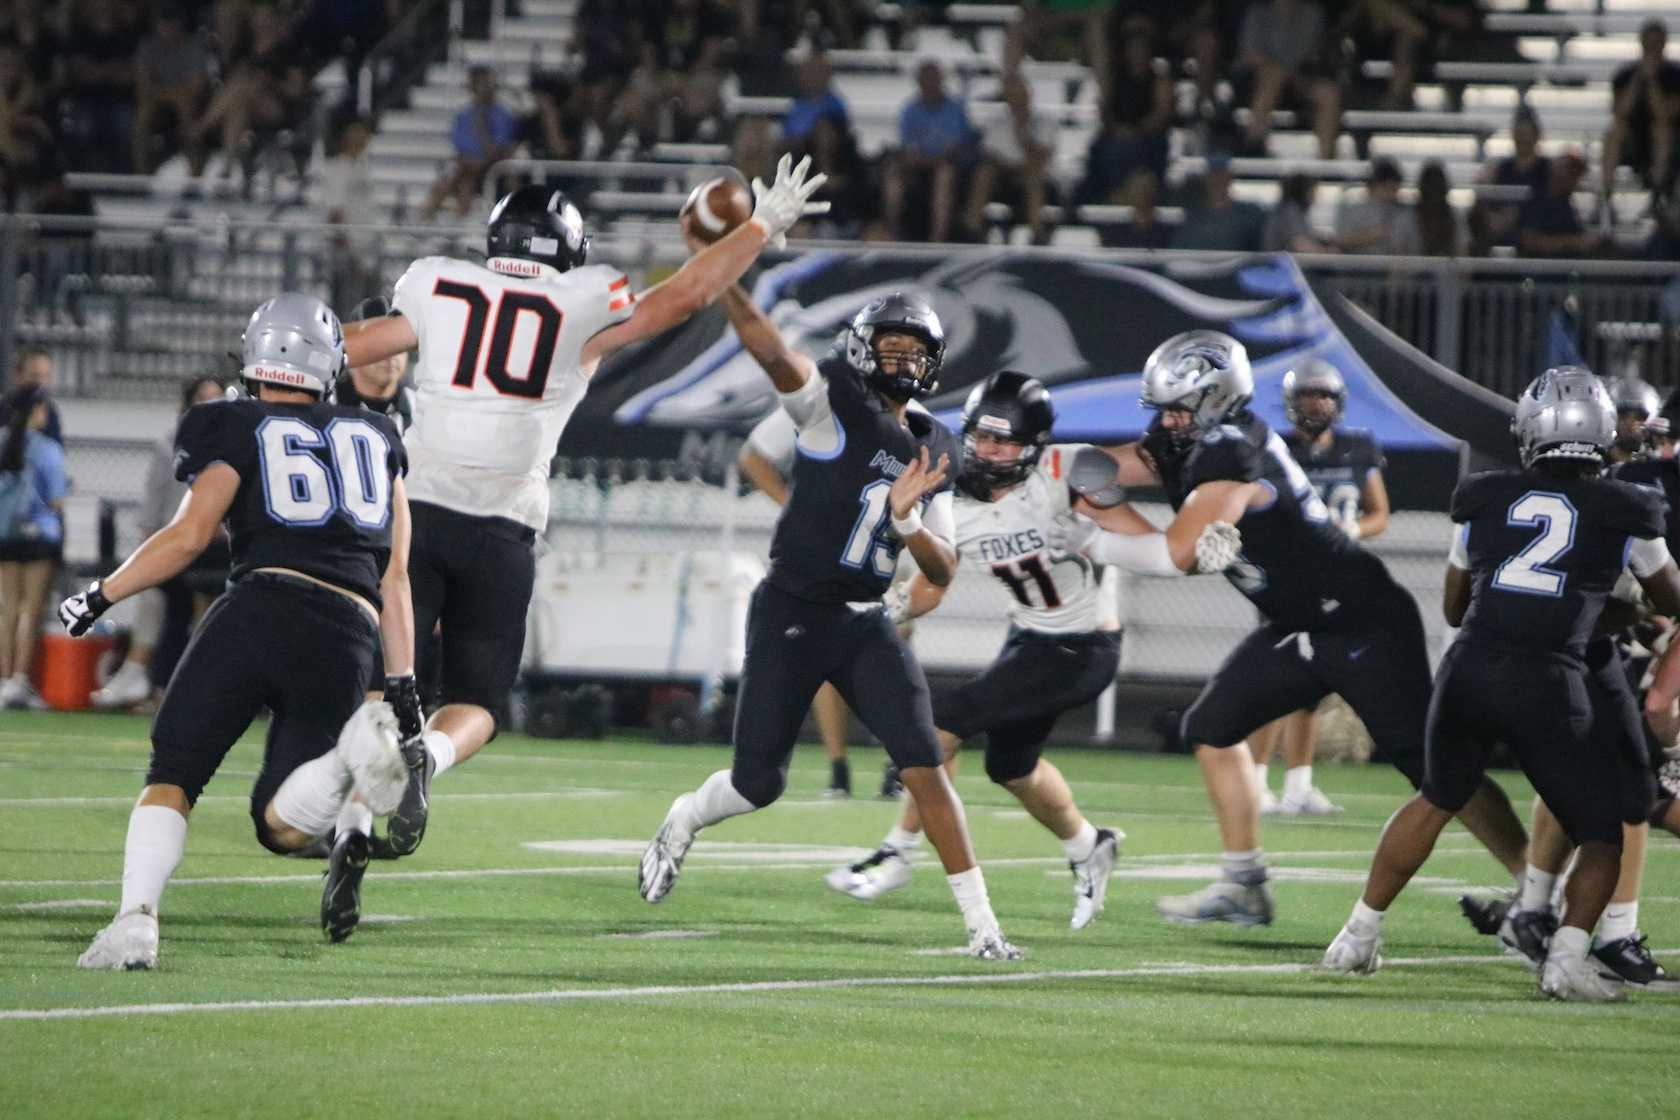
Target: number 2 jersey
[(1302, 572), (315, 483), (1545, 552), (1338, 472), (498, 376), (1053, 592)]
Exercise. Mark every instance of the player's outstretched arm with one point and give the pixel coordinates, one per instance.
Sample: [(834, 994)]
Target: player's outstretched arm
[(164, 554), (930, 542), (789, 369), (396, 612), (373, 340), (1194, 538)]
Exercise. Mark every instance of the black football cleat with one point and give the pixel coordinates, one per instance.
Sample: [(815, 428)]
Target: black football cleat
[(892, 787), (407, 825), (1485, 914), (1629, 961), (341, 897), (1528, 934)]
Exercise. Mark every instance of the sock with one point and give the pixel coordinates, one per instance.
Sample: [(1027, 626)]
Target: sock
[(1246, 868), (969, 887), (1365, 920), (840, 774), (1080, 847), (1569, 943), (311, 796), (1536, 889), (904, 843), (1297, 780), (354, 817), (1619, 921), (1260, 769), (442, 749), (716, 800), (157, 838)]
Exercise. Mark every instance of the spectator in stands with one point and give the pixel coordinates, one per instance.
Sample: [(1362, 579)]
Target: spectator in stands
[(1289, 225), (1014, 163), (484, 133), (346, 194), (1379, 222), (1137, 109), (265, 91), (24, 134), (816, 102), (1645, 109), (1494, 222), (1549, 226), (33, 484), (554, 127), (935, 148), (1664, 245), (1440, 228), (99, 79), (1394, 27), (753, 152), (32, 368), (833, 151), (1280, 61), (602, 37), (170, 73), (1221, 221), (1144, 229), (683, 52)]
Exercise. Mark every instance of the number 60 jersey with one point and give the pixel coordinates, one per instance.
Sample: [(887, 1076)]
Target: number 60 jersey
[(314, 485)]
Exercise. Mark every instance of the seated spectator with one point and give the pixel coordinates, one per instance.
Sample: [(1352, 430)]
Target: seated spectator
[(852, 197), (265, 90), (1379, 222), (602, 37), (347, 196), (484, 133), (1280, 64), (1137, 109), (1549, 226), (753, 150), (1014, 163), (935, 147), (1392, 27), (24, 134), (1144, 229), (816, 102), (1289, 225), (680, 68), (170, 72), (1440, 228), (1664, 245), (1494, 222), (33, 484), (98, 105), (1644, 113), (554, 127), (1217, 220)]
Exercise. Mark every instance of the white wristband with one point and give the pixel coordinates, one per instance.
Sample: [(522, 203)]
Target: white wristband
[(909, 525)]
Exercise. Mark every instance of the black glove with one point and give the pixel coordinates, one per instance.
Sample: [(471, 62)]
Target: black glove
[(79, 612), (403, 694)]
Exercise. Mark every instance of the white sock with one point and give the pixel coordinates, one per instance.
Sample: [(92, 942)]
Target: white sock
[(1619, 921), (716, 800), (157, 838), (1297, 780), (1569, 943), (1243, 867), (1364, 920), (442, 749), (901, 841), (1080, 847), (1536, 889), (311, 796), (355, 816), (1260, 769), (969, 887)]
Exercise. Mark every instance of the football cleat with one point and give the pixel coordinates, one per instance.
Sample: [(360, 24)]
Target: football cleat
[(1485, 914), (1240, 904), (836, 793), (129, 943), (128, 686), (341, 896), (1354, 953), (368, 746), (1313, 803), (662, 861), (1269, 803), (1091, 875), (989, 944), (1577, 980), (1629, 961), (892, 788), (885, 870), (407, 826), (1528, 934)]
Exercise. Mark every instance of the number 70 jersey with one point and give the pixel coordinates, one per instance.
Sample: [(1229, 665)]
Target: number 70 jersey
[(498, 376)]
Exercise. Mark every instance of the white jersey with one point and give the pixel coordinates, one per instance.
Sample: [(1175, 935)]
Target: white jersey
[(499, 375), (1053, 592)]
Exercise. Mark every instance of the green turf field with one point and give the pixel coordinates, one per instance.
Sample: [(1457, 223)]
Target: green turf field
[(509, 968)]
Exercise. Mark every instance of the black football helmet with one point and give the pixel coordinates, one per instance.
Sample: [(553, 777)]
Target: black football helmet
[(899, 313), (538, 223), (1012, 406)]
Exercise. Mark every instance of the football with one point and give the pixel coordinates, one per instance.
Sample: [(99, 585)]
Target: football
[(717, 206)]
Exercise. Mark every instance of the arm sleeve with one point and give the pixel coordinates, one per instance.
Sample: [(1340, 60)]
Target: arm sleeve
[(1459, 554), (1146, 554), (941, 517), (813, 416), (1647, 557), (773, 438)]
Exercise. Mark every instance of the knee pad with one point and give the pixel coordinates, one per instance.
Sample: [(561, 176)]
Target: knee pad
[(761, 787)]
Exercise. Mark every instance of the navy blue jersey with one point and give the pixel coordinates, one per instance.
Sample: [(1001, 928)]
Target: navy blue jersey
[(1663, 476), (1301, 571), (1545, 552), (834, 542), (1338, 472), (315, 484)]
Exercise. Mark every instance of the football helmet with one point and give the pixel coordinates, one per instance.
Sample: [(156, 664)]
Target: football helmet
[(1205, 373), (1011, 406), (1313, 376), (538, 223), (899, 313), (293, 341), (1638, 405), (1564, 414)]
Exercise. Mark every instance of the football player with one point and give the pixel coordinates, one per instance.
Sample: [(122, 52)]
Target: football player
[(1539, 551), (378, 386), (1016, 497), (1639, 423), (1335, 619), (506, 351), (1345, 466), (870, 480), (312, 496)]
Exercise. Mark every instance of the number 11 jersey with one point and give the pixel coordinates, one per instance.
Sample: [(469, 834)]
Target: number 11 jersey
[(498, 376)]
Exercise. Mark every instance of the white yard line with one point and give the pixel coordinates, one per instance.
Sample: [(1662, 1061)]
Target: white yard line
[(537, 795)]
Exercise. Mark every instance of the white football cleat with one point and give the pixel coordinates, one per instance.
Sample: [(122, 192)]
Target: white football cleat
[(1354, 953), (129, 686), (662, 861), (368, 745), (1268, 803), (1577, 980), (1313, 803), (1091, 875), (129, 942), (885, 870), (1241, 904), (989, 944)]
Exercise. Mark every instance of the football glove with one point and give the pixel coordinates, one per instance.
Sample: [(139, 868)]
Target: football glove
[(403, 694), (1218, 547), (777, 207), (1071, 533), (80, 611), (1668, 777), (897, 602)]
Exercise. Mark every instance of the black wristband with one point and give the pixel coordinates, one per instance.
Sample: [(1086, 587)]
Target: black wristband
[(403, 694), (96, 600)]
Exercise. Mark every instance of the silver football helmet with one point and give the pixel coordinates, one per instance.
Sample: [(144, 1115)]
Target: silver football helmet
[(1631, 394), (1564, 414), (1204, 372), (1313, 376), (294, 341)]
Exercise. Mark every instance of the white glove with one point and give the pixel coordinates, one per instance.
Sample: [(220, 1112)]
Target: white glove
[(1218, 547), (1072, 533), (897, 603), (777, 207), (79, 612), (1350, 526), (1669, 777)]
